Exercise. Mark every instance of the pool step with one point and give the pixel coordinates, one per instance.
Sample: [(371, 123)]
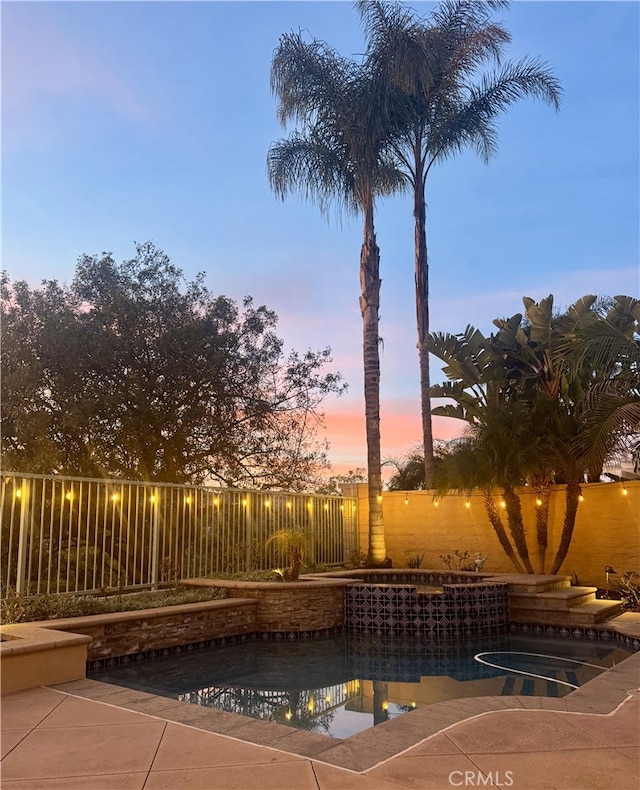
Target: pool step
[(551, 600), (563, 598), (532, 584), (562, 606), (590, 613)]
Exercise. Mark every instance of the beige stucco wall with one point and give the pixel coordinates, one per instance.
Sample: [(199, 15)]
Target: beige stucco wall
[(607, 530), (32, 656)]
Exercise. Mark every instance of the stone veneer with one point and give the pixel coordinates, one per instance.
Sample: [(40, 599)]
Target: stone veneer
[(313, 604), (150, 630)]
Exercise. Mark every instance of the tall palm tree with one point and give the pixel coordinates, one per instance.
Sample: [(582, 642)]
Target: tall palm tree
[(337, 158), (437, 108)]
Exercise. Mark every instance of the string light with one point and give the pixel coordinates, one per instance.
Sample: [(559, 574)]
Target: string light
[(18, 493), (406, 500), (379, 497), (538, 502), (580, 498), (267, 503), (436, 503), (152, 498), (69, 495), (289, 505), (216, 502), (245, 502), (187, 500), (624, 490), (503, 504), (467, 504), (326, 506), (114, 497), (288, 715)]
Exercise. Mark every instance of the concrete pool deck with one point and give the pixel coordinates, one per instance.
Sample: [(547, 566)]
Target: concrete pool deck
[(96, 736)]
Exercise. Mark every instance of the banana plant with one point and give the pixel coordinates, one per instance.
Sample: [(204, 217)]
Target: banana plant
[(546, 397)]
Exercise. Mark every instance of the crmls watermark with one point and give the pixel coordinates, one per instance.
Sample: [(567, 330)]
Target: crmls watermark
[(479, 779)]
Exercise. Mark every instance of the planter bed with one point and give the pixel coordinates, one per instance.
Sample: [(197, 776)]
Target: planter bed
[(54, 651), (315, 603)]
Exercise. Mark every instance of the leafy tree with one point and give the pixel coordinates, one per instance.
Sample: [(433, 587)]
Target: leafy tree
[(333, 485), (409, 474), (337, 158), (527, 393), (131, 372), (437, 102)]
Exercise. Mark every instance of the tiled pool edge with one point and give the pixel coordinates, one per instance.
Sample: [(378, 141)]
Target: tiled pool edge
[(561, 632), (365, 750), (598, 633), (255, 636)]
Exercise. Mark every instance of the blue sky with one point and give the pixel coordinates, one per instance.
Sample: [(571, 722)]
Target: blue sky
[(125, 121)]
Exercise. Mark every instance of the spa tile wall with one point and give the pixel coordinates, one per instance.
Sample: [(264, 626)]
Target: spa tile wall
[(460, 610)]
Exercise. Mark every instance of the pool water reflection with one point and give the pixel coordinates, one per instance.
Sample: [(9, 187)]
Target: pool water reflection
[(344, 684)]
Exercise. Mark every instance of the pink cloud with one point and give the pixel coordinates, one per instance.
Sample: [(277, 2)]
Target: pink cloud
[(400, 428)]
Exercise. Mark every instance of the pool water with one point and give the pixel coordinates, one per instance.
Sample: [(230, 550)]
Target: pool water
[(344, 684)]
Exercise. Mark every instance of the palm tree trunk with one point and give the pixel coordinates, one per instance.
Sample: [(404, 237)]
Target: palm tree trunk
[(498, 526), (422, 316), (369, 307), (572, 497), (380, 702), (516, 526), (542, 492)]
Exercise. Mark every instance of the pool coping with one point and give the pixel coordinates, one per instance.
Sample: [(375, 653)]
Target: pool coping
[(375, 745)]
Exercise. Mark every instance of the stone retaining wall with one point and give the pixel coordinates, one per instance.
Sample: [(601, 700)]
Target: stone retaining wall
[(289, 607), (128, 633)]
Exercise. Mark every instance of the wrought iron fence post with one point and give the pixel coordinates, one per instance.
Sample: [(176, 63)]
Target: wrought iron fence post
[(23, 536), (248, 535), (312, 531), (155, 538)]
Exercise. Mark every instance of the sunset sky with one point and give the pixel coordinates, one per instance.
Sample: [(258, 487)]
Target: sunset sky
[(124, 122)]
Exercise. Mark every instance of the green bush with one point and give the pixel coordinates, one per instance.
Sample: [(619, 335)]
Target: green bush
[(15, 608), (248, 576), (628, 587)]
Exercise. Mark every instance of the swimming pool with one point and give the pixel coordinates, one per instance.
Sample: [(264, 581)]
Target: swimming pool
[(343, 684)]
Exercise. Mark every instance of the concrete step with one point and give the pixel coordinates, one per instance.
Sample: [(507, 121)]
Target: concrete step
[(562, 598), (531, 583), (584, 614), (597, 611)]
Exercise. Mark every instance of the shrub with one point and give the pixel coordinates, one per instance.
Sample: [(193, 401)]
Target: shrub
[(357, 559), (458, 561), (628, 586), (292, 545), (16, 608)]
